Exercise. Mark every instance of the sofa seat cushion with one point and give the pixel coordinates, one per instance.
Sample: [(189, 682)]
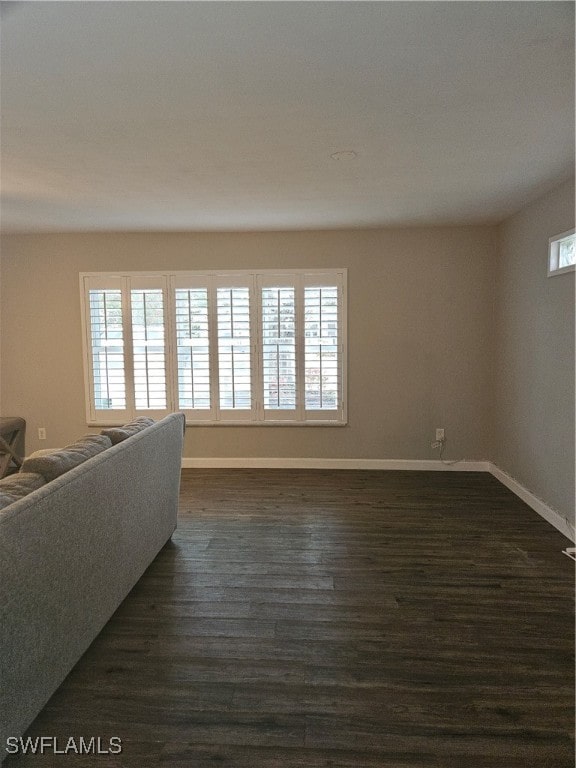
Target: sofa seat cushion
[(56, 463), (117, 434), (17, 486)]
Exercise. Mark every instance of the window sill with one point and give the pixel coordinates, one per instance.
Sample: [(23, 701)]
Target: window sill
[(270, 423), (317, 423)]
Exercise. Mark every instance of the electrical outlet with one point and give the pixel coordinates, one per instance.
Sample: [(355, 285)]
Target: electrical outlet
[(41, 433), (440, 434)]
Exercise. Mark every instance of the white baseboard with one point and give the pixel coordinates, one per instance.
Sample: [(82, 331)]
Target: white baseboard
[(313, 463), (428, 465), (548, 513)]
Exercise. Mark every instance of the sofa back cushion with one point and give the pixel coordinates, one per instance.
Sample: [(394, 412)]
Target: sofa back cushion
[(56, 463), (16, 486), (117, 434)]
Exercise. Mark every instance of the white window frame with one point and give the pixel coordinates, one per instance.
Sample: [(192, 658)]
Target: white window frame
[(554, 255), (257, 415)]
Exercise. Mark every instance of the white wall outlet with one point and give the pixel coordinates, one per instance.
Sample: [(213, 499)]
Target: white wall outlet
[(440, 434), (41, 433)]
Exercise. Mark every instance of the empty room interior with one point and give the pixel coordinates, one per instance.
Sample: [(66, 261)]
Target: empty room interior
[(287, 384)]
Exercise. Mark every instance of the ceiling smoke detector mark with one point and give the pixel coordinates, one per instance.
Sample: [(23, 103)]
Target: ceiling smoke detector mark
[(346, 154)]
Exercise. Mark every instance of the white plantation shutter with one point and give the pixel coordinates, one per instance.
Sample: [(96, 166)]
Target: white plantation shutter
[(250, 347), (104, 301), (148, 349), (234, 325), (323, 345), (278, 346), (193, 348), (107, 339)]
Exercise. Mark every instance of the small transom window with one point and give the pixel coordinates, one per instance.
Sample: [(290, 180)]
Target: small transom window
[(562, 253)]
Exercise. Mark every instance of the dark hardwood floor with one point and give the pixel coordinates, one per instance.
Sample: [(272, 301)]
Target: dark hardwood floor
[(335, 619)]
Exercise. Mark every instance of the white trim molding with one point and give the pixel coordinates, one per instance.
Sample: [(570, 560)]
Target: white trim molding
[(538, 505), (313, 463), (549, 514)]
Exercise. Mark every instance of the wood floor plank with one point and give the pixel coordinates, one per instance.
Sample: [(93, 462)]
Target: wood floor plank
[(335, 619)]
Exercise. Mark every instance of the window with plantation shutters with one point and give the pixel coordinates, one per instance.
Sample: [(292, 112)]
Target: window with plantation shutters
[(240, 347)]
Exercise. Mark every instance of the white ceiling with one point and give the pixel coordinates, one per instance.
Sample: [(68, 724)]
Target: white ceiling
[(224, 115)]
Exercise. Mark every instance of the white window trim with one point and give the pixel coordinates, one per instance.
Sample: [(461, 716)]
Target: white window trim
[(553, 255), (169, 280)]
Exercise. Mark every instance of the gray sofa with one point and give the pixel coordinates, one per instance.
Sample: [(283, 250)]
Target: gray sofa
[(70, 552)]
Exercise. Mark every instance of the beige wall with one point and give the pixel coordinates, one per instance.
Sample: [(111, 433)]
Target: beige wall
[(1, 411), (534, 361), (419, 324)]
